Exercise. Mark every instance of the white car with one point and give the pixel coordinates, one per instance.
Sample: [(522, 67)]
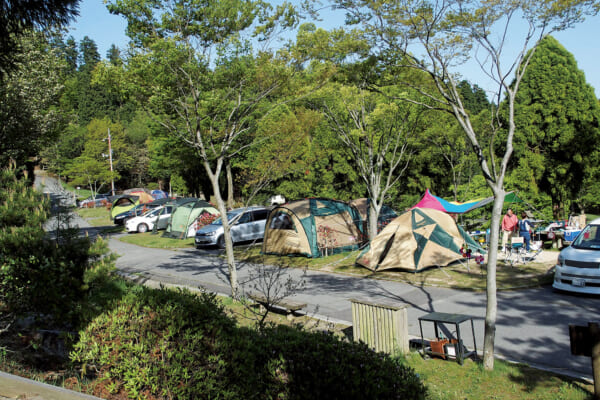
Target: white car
[(578, 266), (145, 222)]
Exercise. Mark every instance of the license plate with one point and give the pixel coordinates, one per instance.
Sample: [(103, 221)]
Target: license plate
[(578, 282)]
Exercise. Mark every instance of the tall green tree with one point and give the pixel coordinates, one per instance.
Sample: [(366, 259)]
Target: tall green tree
[(92, 168), (378, 134), (30, 93), (435, 37), (209, 103), (557, 119)]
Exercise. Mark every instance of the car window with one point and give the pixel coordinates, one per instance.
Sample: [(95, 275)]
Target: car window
[(230, 217), (259, 215), (281, 220), (244, 219), (589, 238), (152, 213)]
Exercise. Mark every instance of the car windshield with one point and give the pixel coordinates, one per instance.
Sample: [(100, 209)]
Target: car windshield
[(589, 238), (152, 213), (230, 216)]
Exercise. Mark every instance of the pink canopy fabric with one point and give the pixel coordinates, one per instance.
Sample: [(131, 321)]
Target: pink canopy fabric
[(452, 207)]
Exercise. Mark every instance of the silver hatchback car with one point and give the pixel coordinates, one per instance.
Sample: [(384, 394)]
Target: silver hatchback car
[(246, 224), (578, 266)]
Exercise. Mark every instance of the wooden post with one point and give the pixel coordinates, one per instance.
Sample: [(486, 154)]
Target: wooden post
[(585, 341), (594, 330)]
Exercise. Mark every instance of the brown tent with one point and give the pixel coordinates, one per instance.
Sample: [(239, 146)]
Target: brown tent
[(417, 239), (313, 228)]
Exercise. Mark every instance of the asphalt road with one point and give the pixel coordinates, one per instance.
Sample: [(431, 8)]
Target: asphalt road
[(532, 324)]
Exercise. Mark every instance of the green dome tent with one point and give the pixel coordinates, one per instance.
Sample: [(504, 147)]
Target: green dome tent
[(312, 228), (183, 222)]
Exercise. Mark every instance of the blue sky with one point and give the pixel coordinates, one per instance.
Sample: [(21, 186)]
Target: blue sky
[(583, 41)]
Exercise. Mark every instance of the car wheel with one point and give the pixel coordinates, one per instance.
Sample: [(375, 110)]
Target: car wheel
[(142, 228), (221, 242)]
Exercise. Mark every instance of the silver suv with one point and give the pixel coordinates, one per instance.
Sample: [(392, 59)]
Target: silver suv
[(246, 224), (578, 266)]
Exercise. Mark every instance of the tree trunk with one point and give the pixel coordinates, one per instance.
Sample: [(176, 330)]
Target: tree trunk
[(230, 200), (231, 266), (374, 210), (491, 310)]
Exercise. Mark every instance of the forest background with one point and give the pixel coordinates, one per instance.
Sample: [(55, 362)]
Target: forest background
[(296, 143)]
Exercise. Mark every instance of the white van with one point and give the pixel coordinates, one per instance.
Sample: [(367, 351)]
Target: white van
[(578, 266), (246, 224)]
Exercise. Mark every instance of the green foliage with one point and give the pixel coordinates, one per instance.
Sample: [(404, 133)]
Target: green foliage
[(39, 277), (18, 18), (558, 127), (29, 97), (174, 344)]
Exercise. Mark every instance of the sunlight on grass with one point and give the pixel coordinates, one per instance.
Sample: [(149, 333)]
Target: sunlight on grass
[(157, 241), (446, 379), (98, 216)]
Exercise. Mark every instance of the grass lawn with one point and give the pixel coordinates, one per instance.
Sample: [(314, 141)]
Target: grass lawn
[(447, 380), (157, 241), (98, 216)]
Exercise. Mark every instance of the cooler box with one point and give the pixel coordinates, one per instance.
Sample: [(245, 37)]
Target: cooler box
[(570, 235)]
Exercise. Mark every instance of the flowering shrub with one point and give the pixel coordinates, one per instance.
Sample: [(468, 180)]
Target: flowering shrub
[(204, 219), (326, 237)]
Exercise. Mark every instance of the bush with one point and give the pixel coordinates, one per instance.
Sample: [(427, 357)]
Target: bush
[(174, 344), (42, 279), (321, 366)]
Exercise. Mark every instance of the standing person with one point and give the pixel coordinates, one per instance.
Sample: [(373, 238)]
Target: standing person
[(509, 227), (524, 228)]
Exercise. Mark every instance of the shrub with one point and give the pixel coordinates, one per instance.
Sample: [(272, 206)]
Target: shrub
[(174, 344), (42, 278)]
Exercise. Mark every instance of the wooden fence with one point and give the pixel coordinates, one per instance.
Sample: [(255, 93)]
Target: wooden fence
[(383, 328)]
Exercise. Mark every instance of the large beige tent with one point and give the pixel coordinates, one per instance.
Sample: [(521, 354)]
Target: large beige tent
[(418, 239), (312, 228)]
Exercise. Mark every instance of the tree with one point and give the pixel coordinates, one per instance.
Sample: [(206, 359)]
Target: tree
[(378, 134), (92, 167), (29, 98), (557, 126), (209, 103), (19, 17), (435, 37)]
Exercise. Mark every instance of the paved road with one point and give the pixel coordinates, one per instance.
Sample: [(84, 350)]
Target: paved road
[(532, 325)]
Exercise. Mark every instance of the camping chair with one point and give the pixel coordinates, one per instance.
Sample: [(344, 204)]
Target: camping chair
[(535, 247), (515, 251)]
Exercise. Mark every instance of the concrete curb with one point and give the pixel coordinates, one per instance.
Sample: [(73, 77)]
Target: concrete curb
[(16, 387)]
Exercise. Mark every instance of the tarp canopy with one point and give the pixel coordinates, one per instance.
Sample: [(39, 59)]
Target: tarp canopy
[(312, 228), (418, 239), (437, 203), (184, 217), (453, 207)]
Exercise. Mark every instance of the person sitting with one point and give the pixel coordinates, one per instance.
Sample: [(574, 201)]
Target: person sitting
[(524, 230)]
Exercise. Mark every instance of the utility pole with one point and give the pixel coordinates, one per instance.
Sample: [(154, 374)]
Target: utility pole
[(112, 180)]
